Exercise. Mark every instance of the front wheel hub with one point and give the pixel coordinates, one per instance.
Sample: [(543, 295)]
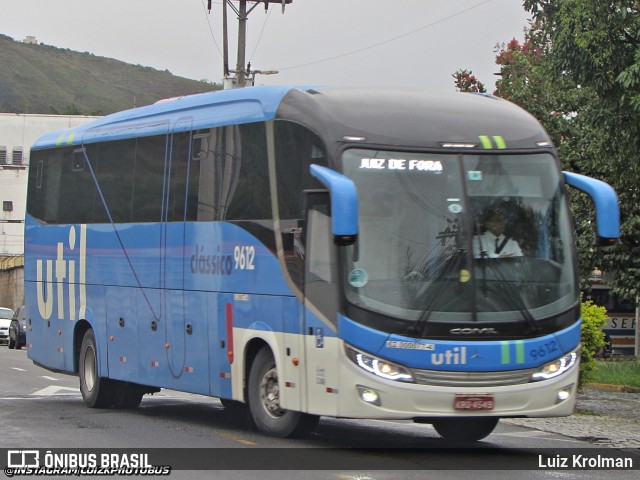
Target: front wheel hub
[(270, 393)]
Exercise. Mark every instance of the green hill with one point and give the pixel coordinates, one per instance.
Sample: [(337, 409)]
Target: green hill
[(44, 79)]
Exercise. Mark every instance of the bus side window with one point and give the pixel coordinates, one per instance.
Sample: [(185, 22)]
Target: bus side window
[(320, 255), (319, 241), (297, 147)]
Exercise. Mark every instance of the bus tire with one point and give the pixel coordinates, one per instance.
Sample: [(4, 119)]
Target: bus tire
[(97, 392), (264, 401), (461, 429)]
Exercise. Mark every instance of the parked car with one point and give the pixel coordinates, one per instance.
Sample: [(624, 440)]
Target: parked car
[(18, 328), (6, 314)]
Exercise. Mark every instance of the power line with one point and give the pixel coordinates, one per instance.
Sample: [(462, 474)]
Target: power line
[(389, 40), (264, 24), (206, 14)]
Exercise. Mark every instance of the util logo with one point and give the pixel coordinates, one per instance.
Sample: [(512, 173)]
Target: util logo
[(65, 274)]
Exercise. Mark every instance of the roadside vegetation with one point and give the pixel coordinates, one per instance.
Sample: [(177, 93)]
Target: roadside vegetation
[(594, 318), (617, 372)]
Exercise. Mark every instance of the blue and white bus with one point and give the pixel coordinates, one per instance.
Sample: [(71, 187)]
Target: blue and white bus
[(306, 252)]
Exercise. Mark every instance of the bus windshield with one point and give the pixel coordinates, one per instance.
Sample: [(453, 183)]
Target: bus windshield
[(459, 237)]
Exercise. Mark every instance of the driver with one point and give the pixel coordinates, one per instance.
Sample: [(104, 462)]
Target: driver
[(494, 242)]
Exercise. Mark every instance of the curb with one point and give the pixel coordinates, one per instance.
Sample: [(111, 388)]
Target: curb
[(613, 388)]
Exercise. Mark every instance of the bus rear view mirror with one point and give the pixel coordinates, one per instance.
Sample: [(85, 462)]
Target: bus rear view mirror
[(344, 204), (606, 202)]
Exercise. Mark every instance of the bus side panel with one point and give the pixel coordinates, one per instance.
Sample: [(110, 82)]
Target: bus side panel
[(49, 295), (122, 342), (35, 325), (243, 318), (321, 353), (261, 318), (153, 367), (188, 344), (222, 348), (54, 341), (37, 294), (293, 377)]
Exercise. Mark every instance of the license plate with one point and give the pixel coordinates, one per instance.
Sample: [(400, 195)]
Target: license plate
[(473, 402)]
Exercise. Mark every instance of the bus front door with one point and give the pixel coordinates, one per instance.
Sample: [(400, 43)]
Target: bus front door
[(321, 306)]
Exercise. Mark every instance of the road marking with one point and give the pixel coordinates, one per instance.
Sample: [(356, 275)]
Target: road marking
[(55, 390), (19, 369), (238, 439), (532, 433), (49, 378), (535, 433), (18, 398), (346, 476)]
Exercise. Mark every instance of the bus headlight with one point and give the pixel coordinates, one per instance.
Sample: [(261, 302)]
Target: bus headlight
[(557, 367), (378, 366)]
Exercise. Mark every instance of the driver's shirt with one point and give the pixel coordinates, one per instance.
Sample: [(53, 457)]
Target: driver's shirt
[(489, 245)]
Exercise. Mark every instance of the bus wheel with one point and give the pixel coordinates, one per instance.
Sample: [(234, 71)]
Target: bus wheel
[(97, 392), (465, 429), (264, 401)]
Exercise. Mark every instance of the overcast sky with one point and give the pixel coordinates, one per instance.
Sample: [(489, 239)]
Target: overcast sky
[(328, 42)]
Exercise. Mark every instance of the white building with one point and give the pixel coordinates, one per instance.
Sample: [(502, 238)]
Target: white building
[(17, 134)]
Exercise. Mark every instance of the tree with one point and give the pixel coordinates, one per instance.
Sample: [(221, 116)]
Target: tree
[(596, 45), (578, 72), (466, 81)]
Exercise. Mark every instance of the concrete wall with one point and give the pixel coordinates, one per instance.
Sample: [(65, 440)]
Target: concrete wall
[(12, 287)]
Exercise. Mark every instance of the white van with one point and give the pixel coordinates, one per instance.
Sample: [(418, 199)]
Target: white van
[(5, 320)]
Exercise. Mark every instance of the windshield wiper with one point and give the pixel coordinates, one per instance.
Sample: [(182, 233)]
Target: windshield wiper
[(507, 293), (435, 296)]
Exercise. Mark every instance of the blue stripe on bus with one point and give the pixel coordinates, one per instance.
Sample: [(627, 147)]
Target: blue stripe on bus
[(460, 355)]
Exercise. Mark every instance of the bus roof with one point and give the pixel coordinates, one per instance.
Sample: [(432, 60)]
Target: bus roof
[(217, 108), (380, 116), (406, 117)]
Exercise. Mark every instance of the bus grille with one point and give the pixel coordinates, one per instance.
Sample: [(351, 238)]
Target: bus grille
[(473, 379)]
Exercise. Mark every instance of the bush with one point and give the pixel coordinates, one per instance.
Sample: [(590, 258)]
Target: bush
[(593, 319)]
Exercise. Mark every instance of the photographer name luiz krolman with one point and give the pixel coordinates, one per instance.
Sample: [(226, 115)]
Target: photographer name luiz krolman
[(578, 461)]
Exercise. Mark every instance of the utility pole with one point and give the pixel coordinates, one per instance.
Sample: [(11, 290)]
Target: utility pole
[(225, 41), (242, 38), (242, 71)]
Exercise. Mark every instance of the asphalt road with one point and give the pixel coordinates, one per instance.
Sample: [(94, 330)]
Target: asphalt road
[(44, 410)]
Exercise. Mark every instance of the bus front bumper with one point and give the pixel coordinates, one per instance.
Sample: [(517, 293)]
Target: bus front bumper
[(372, 397)]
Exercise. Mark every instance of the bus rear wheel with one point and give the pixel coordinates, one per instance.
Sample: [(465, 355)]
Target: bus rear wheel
[(264, 401), (97, 392), (465, 429)]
